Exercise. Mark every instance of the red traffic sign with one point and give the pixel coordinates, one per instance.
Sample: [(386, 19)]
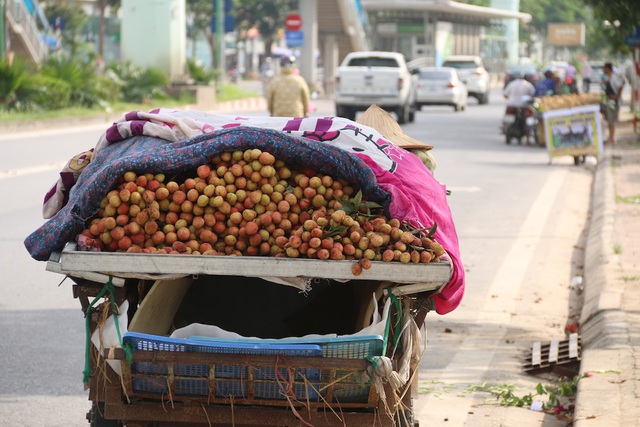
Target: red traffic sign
[(293, 22)]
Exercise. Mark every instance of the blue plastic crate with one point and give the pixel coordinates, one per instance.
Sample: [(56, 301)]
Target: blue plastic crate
[(349, 347), (195, 380), (351, 388)]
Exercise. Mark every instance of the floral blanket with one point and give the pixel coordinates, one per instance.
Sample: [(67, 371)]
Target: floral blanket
[(173, 141)]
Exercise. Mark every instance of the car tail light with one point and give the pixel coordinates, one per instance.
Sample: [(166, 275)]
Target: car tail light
[(400, 81), (512, 110), (530, 112), (451, 85)]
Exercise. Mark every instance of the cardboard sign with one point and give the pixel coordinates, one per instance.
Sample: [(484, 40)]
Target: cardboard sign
[(573, 131)]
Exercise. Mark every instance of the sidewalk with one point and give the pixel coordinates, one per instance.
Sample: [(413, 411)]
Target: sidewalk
[(610, 320)]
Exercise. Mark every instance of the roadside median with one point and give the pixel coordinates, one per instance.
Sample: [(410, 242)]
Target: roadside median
[(257, 103)]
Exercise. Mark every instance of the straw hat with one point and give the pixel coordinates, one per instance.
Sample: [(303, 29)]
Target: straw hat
[(382, 121)]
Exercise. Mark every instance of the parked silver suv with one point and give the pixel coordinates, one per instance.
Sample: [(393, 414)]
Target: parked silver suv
[(472, 72)]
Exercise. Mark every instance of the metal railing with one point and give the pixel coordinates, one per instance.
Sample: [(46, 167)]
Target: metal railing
[(353, 14), (24, 25)]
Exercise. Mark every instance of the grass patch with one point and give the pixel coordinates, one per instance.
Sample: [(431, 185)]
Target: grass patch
[(629, 278), (631, 200), (231, 92), (617, 248), (227, 92)]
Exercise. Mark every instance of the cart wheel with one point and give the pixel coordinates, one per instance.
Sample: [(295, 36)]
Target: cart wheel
[(96, 418), (404, 418)]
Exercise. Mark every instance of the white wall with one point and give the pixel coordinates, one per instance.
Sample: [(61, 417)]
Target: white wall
[(153, 34)]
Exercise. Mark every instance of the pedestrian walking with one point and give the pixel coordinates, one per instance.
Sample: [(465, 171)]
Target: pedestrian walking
[(612, 88), (587, 73), (288, 93)]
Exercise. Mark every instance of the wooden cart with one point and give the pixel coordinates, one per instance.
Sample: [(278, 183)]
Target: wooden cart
[(162, 384)]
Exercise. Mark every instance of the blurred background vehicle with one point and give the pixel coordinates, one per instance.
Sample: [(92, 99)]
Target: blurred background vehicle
[(530, 71), (474, 75), (440, 86)]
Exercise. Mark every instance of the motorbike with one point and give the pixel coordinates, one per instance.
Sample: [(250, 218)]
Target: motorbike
[(522, 122)]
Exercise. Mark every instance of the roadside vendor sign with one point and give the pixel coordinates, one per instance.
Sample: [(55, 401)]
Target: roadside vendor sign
[(573, 131)]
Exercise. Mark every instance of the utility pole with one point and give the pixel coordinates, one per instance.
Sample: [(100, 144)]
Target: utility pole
[(2, 31), (220, 48)]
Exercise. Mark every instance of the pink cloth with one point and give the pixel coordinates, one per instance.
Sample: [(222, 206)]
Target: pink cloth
[(423, 202)]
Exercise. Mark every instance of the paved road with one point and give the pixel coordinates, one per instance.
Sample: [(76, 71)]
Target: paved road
[(520, 221)]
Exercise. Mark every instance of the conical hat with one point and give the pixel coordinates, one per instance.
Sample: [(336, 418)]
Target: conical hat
[(383, 122)]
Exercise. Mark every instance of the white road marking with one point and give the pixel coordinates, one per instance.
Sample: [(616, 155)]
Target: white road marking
[(470, 364), (61, 130), (13, 173)]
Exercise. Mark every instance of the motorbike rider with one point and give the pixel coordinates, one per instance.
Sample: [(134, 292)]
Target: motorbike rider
[(571, 78), (547, 86), (518, 93)]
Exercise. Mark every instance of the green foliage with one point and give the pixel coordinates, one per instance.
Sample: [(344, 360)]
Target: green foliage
[(559, 396), (74, 18), (229, 92), (16, 90), (544, 12), (78, 74), (617, 19), (201, 11), (356, 205), (266, 15), (199, 73), (139, 85), (50, 93), (107, 89)]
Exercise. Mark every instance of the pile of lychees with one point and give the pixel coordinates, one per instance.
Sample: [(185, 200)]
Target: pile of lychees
[(248, 203)]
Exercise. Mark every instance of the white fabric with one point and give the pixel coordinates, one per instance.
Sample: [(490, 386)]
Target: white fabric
[(517, 90), (107, 336), (377, 327)]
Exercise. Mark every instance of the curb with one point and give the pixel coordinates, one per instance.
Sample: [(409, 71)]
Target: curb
[(600, 398), (247, 104)]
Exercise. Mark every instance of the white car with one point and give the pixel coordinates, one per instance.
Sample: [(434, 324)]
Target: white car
[(473, 74), (440, 86)]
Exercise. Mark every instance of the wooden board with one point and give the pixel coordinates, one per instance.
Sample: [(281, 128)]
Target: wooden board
[(429, 276)]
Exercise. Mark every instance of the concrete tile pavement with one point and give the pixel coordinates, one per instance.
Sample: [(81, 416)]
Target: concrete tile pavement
[(610, 319)]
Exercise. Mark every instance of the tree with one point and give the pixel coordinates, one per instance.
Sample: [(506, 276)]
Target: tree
[(619, 19), (201, 12), (266, 15), (102, 6), (72, 17)]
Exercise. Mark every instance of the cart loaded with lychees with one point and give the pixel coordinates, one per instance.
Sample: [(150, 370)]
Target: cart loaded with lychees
[(252, 270)]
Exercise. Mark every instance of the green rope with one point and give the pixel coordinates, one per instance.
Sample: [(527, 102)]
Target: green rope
[(106, 289), (396, 302)]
